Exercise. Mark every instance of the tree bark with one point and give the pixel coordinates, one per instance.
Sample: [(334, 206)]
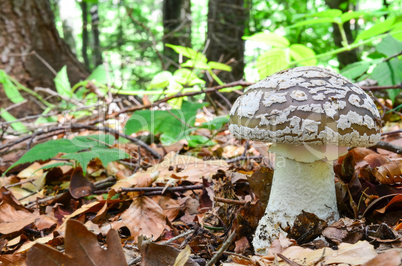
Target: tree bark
[(176, 28), (226, 23), (347, 57), (31, 49)]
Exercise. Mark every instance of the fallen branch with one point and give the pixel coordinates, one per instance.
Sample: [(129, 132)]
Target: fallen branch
[(389, 147), (230, 201), (160, 189), (242, 158), (156, 103), (223, 248)]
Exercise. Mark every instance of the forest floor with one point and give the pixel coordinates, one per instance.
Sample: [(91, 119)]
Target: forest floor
[(183, 204)]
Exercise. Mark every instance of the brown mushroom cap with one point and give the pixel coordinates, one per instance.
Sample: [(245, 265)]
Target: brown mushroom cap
[(306, 105)]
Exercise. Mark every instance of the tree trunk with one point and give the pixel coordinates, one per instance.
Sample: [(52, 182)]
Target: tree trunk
[(95, 33), (226, 23), (30, 46), (347, 57), (176, 28)]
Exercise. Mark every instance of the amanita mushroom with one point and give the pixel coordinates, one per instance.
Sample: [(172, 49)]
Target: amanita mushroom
[(311, 115)]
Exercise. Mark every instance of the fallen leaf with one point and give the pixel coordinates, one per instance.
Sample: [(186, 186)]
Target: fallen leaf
[(13, 216), (81, 248), (158, 255), (143, 217), (80, 186), (189, 168), (352, 254), (388, 258)]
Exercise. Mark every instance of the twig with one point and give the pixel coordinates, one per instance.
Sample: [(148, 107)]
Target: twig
[(223, 248), (54, 93), (156, 103), (176, 237), (230, 201), (389, 147), (138, 259), (378, 88), (241, 158), (20, 183), (288, 261), (160, 189), (391, 132)]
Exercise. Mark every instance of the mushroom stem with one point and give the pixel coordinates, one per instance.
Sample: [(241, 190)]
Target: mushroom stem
[(296, 186)]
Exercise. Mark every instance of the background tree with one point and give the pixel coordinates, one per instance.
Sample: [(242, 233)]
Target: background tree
[(347, 57), (31, 48), (227, 20), (176, 28)]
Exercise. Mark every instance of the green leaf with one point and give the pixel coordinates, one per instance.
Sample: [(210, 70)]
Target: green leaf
[(99, 75), (95, 145), (17, 126), (160, 80), (172, 124), (393, 93), (377, 29), (313, 21), (215, 124), (10, 89), (389, 46), (271, 62), (174, 86), (196, 140), (356, 69), (330, 13), (351, 15), (388, 73), (187, 77), (220, 66), (397, 31), (270, 39), (300, 51), (105, 155), (199, 64), (188, 52), (62, 83)]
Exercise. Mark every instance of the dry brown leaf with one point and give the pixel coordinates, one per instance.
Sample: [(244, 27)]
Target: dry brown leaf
[(389, 258), (154, 255), (13, 216), (241, 245), (143, 217), (189, 168), (389, 173), (84, 208), (170, 207), (352, 254), (81, 248), (80, 186)]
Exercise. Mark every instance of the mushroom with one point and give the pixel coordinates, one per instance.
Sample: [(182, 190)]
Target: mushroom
[(311, 115)]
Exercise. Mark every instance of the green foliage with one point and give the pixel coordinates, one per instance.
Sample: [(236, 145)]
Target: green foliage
[(387, 66), (16, 125), (82, 149), (172, 125), (280, 54), (10, 88), (62, 83)]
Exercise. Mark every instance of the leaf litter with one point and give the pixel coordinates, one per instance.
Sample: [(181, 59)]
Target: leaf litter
[(197, 205)]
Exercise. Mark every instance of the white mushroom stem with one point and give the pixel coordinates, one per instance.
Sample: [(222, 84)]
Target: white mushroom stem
[(296, 186)]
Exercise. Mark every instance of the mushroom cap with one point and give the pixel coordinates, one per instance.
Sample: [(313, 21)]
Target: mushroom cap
[(306, 105)]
